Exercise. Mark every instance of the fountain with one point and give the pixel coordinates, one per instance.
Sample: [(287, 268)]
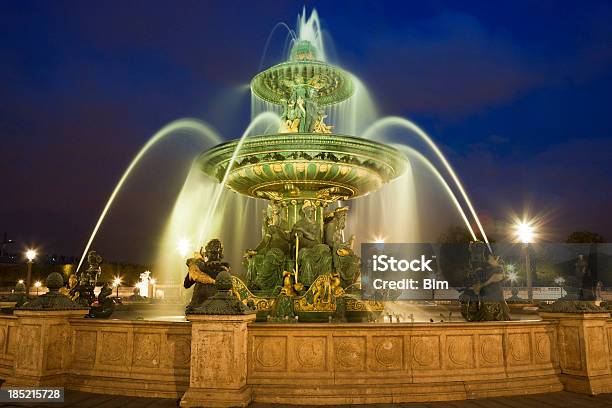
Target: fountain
[(276, 314), (303, 260)]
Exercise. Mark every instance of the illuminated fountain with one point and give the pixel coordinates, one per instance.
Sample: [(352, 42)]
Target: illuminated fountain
[(314, 147)]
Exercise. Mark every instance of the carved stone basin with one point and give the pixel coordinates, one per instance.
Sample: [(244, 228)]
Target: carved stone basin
[(304, 166)]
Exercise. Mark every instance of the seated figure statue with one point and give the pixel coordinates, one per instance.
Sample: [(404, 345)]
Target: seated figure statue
[(204, 267), (483, 298), (314, 257), (346, 263), (266, 263)]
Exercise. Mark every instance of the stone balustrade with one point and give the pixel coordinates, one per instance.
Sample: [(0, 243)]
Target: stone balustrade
[(310, 363)]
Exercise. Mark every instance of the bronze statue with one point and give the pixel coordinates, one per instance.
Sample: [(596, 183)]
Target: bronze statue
[(104, 306), (346, 264), (83, 291), (266, 263), (314, 257), (483, 298), (71, 290), (204, 267)]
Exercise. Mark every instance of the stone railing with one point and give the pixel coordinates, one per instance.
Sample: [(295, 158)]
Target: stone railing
[(230, 360), (374, 363), (142, 358), (104, 356)]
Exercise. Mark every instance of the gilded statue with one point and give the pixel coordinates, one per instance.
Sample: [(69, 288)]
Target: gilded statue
[(314, 257), (345, 263), (301, 112), (266, 263), (483, 298), (203, 269), (71, 290)]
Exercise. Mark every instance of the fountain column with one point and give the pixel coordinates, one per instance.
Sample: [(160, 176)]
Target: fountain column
[(583, 349), (218, 376), (43, 353)]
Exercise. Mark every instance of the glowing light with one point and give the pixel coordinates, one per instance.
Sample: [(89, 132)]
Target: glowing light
[(153, 281), (31, 254), (513, 276), (379, 240), (20, 281), (183, 247), (117, 281), (37, 284), (511, 268), (398, 121), (181, 124), (560, 280), (525, 232)]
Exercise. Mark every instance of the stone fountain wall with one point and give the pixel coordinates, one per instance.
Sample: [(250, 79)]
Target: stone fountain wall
[(401, 362), (104, 356), (307, 363)]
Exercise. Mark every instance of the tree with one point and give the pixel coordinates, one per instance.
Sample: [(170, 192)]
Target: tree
[(585, 237)]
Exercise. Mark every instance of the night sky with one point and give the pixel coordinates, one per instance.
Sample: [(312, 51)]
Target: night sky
[(516, 93)]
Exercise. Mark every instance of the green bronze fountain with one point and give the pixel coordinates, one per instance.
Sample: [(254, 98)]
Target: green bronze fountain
[(303, 267)]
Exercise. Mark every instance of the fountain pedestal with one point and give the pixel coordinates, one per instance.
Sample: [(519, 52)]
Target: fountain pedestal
[(583, 351), (218, 376), (42, 357)]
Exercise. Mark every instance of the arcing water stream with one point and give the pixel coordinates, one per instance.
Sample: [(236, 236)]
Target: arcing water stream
[(205, 208)]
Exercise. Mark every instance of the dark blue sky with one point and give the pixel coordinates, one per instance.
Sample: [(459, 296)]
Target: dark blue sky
[(516, 93)]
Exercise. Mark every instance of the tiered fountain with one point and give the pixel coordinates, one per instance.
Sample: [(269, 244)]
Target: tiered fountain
[(303, 266)]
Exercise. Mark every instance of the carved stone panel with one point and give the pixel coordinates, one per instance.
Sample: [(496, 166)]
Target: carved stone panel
[(609, 331), (596, 347), (460, 351), (270, 353), (425, 351), (387, 353), (179, 350), (146, 350), (490, 350), (215, 360), (543, 346), (28, 347), (349, 353), (3, 339), (519, 348), (113, 350), (11, 340), (570, 348), (57, 338), (309, 353), (85, 346)]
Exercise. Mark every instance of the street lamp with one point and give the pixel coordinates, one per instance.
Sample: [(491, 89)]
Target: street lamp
[(117, 283), (30, 256), (526, 235), (37, 285)]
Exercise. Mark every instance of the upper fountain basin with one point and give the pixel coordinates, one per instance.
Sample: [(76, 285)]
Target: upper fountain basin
[(277, 83), (326, 167)]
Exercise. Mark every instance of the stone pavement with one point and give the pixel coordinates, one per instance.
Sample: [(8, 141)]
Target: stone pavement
[(78, 399)]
